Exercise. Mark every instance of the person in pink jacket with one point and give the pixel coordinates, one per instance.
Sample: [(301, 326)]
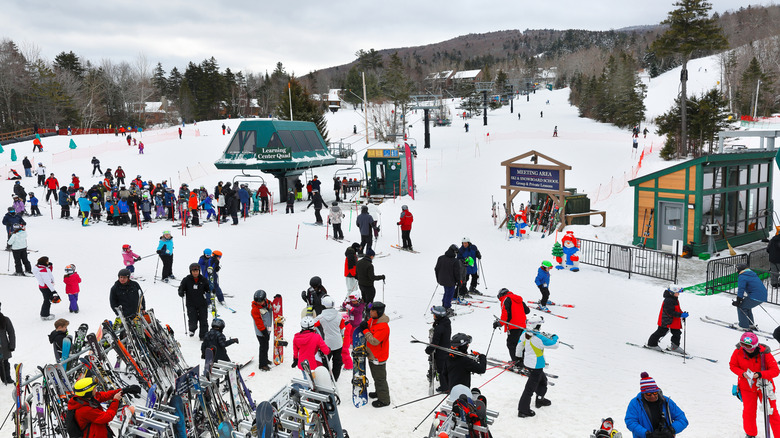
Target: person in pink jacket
[(306, 344), (354, 316), (129, 258), (72, 281)]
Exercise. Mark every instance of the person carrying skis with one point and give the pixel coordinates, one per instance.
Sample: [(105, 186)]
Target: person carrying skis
[(314, 294), (531, 348), (334, 218), (542, 281), (751, 293), (447, 271), (756, 369), (513, 319), (377, 331), (653, 415), (127, 294), (468, 253), (263, 317), (194, 288), (366, 277), (57, 335), (71, 281), (442, 330), (88, 409), (669, 318), (460, 368), (306, 344), (332, 326), (165, 251), (216, 340)]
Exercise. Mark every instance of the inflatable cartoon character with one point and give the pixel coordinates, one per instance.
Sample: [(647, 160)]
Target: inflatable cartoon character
[(521, 224), (570, 250)]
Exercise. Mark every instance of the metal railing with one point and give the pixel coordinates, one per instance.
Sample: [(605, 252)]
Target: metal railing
[(722, 274), (629, 259)]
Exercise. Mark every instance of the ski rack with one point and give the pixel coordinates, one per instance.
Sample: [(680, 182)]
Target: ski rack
[(460, 429), (152, 423)]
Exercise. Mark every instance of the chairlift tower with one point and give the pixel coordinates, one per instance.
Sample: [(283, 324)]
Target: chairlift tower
[(484, 87), (423, 102)]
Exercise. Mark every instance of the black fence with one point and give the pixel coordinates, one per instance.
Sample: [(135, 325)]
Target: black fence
[(722, 274), (629, 259)]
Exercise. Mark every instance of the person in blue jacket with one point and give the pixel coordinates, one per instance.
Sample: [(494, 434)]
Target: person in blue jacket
[(542, 281), (123, 210), (170, 203), (751, 293), (466, 250), (651, 414), (165, 251), (85, 205), (243, 197), (64, 202), (207, 205)]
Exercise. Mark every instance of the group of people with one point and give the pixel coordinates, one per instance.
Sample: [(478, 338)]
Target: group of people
[(453, 270)]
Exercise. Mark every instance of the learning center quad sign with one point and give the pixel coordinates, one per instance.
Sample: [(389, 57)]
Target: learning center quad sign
[(538, 179), (274, 153)]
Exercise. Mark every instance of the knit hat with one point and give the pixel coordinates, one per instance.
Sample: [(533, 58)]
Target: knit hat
[(647, 383), (370, 252)]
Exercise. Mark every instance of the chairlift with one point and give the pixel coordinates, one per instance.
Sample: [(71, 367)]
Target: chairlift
[(247, 178)]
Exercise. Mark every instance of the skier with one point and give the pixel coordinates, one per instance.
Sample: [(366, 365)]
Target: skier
[(332, 326), (34, 210), (542, 281), (65, 201), (194, 288), (334, 218), (88, 408), (669, 319), (555, 131), (290, 203), (447, 272), (306, 344), (756, 369), (365, 223), (263, 318), (45, 279), (318, 202), (366, 276), (468, 254), (120, 175), (406, 227), (129, 258), (223, 129), (27, 167), (460, 368), (313, 296), (18, 245), (377, 331), (243, 199), (531, 348), (165, 251), (127, 294), (7, 346), (57, 335), (192, 205), (216, 339), (751, 293), (263, 193), (652, 414), (71, 281), (350, 268), (513, 311), (207, 205), (442, 330), (40, 171), (298, 190), (337, 188)]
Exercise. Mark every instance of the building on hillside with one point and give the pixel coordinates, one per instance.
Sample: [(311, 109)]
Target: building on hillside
[(439, 80), (466, 76), (725, 195), (333, 99)]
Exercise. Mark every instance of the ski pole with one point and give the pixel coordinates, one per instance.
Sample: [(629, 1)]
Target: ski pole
[(685, 337), (431, 300), (399, 235), (429, 413), (530, 331), (184, 314), (491, 341), (9, 414), (417, 400), (481, 268), (150, 255), (9, 261), (155, 270), (760, 305), (383, 290)]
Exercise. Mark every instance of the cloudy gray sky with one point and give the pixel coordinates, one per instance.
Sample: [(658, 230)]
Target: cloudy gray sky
[(304, 35)]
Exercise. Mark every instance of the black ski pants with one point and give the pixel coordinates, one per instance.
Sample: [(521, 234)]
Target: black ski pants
[(337, 233), (336, 363), (198, 315), (46, 305), (405, 239), (365, 242), (167, 261), (20, 258), (263, 340), (660, 333), (317, 215), (537, 383), (368, 293), (5, 371), (545, 295), (512, 338)]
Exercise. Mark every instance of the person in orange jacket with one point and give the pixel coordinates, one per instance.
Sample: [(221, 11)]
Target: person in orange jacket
[(377, 331), (52, 185), (513, 312), (755, 368), (192, 204)]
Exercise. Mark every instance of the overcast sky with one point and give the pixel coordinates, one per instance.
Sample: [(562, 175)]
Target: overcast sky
[(304, 35)]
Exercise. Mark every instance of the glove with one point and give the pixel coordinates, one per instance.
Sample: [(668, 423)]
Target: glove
[(210, 269), (555, 338), (159, 252), (398, 223), (382, 277), (132, 390), (479, 255), (181, 294), (137, 259), (363, 326), (496, 324), (737, 302), (757, 375), (235, 340), (684, 315), (295, 363)]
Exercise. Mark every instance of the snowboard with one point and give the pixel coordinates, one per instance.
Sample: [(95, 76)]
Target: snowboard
[(66, 344), (180, 430), (265, 420), (80, 337), (359, 381), (278, 318)]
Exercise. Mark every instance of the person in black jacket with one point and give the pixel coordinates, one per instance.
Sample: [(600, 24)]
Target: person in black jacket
[(7, 346), (447, 272), (57, 335), (195, 289), (366, 277), (313, 295), (460, 368), (216, 339), (27, 167), (773, 248), (442, 329), (127, 294), (316, 199), (96, 166), (231, 203)]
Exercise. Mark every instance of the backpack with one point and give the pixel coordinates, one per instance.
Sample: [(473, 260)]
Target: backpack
[(72, 426)]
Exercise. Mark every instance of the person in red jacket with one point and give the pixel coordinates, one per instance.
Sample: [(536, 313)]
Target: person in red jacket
[(89, 413), (350, 268), (669, 318), (52, 185), (120, 175), (75, 181), (406, 227), (377, 331), (263, 193), (513, 319), (306, 344), (755, 367)]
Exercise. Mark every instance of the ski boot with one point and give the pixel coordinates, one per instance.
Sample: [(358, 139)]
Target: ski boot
[(675, 348), (654, 347), (542, 402)]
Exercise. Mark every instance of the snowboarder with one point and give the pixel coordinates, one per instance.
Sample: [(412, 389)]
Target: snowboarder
[(468, 253), (263, 318), (215, 338), (652, 414), (306, 344), (460, 368), (531, 348), (513, 311), (45, 279), (334, 218), (669, 319), (57, 335), (755, 368), (405, 222), (542, 281), (165, 251), (377, 331), (332, 326), (366, 276), (127, 294), (751, 293), (442, 331), (71, 281), (447, 272), (194, 288), (350, 268)]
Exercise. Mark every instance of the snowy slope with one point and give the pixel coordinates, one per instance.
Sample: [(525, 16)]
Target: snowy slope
[(456, 179)]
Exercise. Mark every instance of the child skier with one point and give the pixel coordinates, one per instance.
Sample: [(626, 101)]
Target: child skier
[(290, 202), (531, 348), (306, 344), (543, 282), (669, 319), (129, 258), (332, 329), (159, 211), (57, 335), (95, 207), (72, 281), (34, 211), (216, 339), (206, 204)]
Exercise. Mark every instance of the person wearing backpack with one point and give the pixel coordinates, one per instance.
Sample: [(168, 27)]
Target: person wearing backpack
[(86, 417)]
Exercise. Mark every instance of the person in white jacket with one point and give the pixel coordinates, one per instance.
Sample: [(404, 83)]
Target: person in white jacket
[(332, 325), (334, 218), (18, 244), (45, 279), (531, 348)]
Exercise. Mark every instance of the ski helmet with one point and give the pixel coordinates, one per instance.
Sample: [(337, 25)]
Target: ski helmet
[(216, 253), (453, 248), (547, 264), (327, 301), (125, 247), (124, 273), (466, 240), (315, 281), (502, 292), (218, 324), (404, 207), (534, 322), (749, 341), (55, 298), (84, 386), (70, 269), (741, 267), (676, 288), (460, 340), (260, 296), (379, 307), (307, 322), (439, 311), (334, 203), (354, 296), (194, 267)]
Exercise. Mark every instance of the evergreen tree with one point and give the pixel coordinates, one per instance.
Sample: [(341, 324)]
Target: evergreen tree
[(304, 108), (396, 87), (691, 32), (749, 84), (69, 62), (708, 117), (159, 82)]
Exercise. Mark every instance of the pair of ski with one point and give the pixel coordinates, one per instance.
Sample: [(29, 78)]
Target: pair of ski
[(736, 327), (400, 248), (672, 352), (550, 303), (549, 312)]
